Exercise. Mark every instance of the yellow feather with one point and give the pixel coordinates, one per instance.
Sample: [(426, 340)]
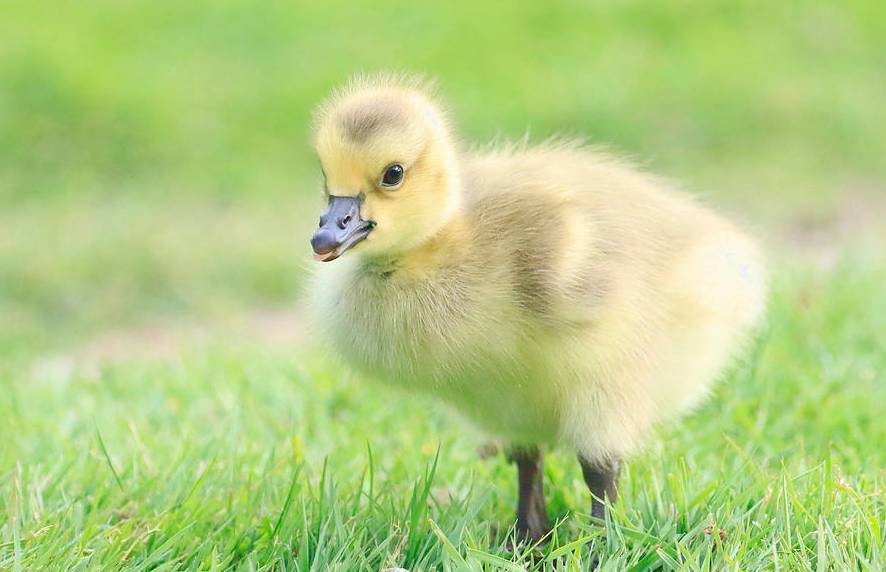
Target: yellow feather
[(554, 294)]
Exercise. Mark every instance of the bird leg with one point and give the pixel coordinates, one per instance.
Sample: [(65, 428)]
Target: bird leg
[(602, 480), (532, 512)]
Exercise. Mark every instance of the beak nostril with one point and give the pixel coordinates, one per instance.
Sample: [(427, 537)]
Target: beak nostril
[(344, 222)]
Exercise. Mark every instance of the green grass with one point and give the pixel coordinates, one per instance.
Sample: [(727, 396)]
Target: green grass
[(256, 460), (155, 182)]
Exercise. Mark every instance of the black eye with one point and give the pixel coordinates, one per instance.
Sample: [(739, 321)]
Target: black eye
[(393, 175)]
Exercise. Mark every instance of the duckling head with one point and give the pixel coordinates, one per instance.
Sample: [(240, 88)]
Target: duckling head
[(391, 179)]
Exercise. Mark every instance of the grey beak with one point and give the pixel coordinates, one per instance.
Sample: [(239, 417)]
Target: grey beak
[(340, 228)]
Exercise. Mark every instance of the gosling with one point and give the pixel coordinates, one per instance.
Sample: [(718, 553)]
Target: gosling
[(553, 294)]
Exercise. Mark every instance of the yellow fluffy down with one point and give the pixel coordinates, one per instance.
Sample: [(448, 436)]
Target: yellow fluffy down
[(553, 294)]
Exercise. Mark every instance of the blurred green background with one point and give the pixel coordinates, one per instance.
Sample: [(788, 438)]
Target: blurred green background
[(154, 158)]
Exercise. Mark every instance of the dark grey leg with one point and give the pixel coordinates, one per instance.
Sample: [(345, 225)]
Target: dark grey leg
[(602, 480), (532, 512)]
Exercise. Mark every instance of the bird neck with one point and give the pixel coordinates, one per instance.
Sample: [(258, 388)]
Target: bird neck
[(448, 247)]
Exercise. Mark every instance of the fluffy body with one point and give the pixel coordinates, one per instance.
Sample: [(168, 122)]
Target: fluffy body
[(556, 296)]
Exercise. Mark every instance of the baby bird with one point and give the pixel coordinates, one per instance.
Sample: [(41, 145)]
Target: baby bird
[(554, 294)]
